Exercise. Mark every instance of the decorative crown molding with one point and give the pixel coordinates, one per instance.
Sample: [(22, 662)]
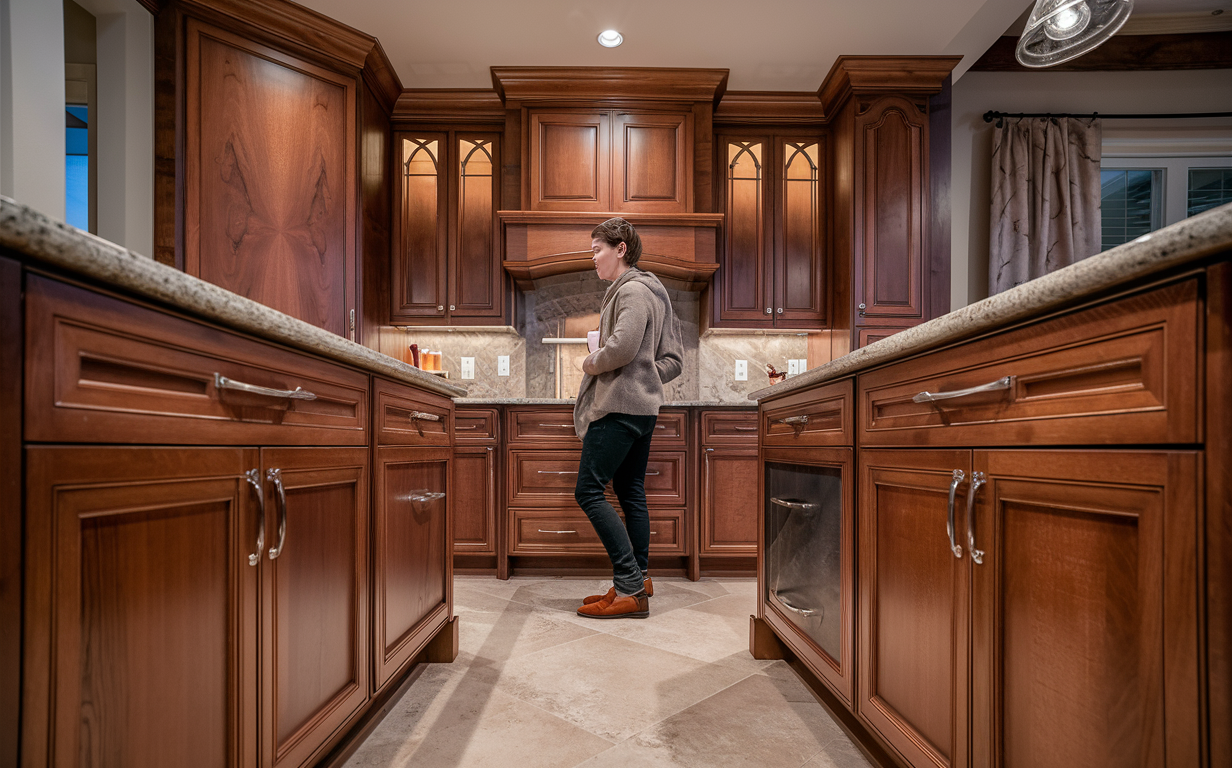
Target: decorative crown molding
[(609, 83), (380, 75), (453, 105), (874, 75), (769, 107)]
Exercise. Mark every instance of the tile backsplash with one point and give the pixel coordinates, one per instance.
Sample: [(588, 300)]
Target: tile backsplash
[(567, 307)]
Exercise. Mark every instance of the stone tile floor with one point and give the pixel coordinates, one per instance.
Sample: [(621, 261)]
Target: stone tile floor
[(537, 686)]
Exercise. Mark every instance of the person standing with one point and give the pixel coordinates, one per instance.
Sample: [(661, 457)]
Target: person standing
[(616, 410)]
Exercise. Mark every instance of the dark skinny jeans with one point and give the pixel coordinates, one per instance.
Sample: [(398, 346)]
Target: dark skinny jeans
[(616, 448)]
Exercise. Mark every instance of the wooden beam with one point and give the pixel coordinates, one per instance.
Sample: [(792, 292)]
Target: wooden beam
[(1125, 53)]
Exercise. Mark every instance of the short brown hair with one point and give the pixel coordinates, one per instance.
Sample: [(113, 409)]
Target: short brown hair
[(617, 231)]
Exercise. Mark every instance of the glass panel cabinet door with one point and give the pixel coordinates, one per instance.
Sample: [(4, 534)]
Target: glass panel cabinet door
[(476, 280), (799, 269), (743, 277), (420, 219)]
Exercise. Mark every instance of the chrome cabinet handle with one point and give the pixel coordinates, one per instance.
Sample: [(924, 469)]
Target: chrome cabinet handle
[(1005, 382), (977, 479), (421, 416), (794, 504), (958, 477), (556, 425), (423, 495), (299, 393), (651, 472), (747, 429), (801, 419), (554, 472), (790, 607), (543, 531), (275, 477), (459, 429), (253, 476)]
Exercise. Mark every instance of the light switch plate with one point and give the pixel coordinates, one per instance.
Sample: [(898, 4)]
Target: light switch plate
[(793, 367), (742, 370), (502, 365), (468, 367), (802, 364)]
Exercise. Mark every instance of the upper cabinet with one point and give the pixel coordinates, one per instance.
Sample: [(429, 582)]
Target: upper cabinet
[(773, 269), (446, 259), (617, 161)]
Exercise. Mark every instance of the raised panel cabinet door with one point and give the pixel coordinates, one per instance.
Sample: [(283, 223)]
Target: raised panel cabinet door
[(652, 162), (421, 225), (314, 606), (913, 604), (474, 500), (745, 280), (570, 161), (476, 278), (1085, 633), (890, 199), (142, 615), (412, 566), (269, 177), (729, 501), (799, 259)]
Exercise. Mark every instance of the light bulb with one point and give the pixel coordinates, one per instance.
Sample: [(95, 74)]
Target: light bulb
[(1068, 22), (610, 38)]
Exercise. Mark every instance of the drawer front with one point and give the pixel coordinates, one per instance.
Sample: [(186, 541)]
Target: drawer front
[(408, 416), (541, 425), (547, 478), (538, 532), (1120, 373), (821, 416), (475, 425), (729, 427), (100, 369), (670, 429)]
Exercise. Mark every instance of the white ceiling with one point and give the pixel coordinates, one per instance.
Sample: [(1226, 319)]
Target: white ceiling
[(778, 45)]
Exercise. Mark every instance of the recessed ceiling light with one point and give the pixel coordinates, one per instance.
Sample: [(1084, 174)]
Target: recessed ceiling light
[(610, 38)]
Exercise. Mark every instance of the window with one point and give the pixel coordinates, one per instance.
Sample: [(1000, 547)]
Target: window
[(1141, 193), (77, 166)]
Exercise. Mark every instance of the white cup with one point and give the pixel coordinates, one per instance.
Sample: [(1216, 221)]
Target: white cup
[(592, 341)]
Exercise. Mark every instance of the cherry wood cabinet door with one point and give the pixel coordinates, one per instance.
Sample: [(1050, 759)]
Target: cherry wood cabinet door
[(314, 599), (1085, 646), (729, 500), (269, 177), (799, 213), (652, 162), (913, 678), (412, 568), (474, 500), (890, 197), (476, 278), (421, 226), (570, 160), (745, 280), (141, 607)]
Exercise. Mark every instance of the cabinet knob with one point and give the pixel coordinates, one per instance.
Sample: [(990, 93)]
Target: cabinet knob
[(769, 311), (440, 307), (451, 307), (861, 307), (780, 310)]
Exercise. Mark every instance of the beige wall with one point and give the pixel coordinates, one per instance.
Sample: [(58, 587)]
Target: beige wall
[(1108, 92)]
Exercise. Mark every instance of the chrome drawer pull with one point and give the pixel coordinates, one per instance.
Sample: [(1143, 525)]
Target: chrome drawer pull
[(299, 393), (1005, 382), (275, 477), (753, 429), (650, 472), (253, 476), (557, 425), (977, 479), (958, 477), (794, 504), (790, 607), (459, 429), (423, 495), (554, 472), (802, 419), (543, 531)]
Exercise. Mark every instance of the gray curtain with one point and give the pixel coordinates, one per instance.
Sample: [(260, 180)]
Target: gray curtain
[(1045, 197)]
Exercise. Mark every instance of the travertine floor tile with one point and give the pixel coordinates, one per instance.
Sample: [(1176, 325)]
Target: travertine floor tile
[(493, 630), (696, 634), (840, 753)]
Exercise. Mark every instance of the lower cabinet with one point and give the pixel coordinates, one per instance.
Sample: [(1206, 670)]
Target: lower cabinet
[(729, 501), (474, 504), (193, 606), (1030, 607)]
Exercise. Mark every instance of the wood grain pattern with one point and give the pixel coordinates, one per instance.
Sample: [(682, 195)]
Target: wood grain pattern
[(745, 283), (728, 427), (652, 162), (477, 284), (776, 107), (314, 606), (609, 83), (800, 209), (474, 500), (396, 417), (476, 425), (10, 509), (570, 160), (538, 533), (826, 409), (270, 177), (728, 510), (376, 193), (873, 76), (421, 225), (449, 105), (544, 478), (1218, 510)]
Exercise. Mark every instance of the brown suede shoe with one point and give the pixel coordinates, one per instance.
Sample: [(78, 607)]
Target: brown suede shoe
[(648, 588), (632, 607)]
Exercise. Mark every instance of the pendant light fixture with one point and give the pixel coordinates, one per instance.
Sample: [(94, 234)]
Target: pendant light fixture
[(1060, 30)]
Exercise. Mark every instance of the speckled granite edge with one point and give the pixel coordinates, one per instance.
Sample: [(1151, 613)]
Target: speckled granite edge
[(53, 243), (570, 401), (1170, 247)]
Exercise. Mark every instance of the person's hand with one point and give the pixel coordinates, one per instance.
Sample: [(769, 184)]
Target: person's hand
[(588, 365)]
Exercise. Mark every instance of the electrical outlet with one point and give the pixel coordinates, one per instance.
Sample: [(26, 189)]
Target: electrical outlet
[(468, 367), (793, 367), (802, 363), (502, 365), (742, 370)]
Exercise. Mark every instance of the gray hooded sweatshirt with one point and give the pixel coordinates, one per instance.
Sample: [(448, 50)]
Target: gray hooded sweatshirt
[(639, 351)]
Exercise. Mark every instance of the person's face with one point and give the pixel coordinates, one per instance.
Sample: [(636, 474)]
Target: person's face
[(608, 260)]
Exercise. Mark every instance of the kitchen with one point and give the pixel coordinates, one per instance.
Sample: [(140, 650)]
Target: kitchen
[(801, 218)]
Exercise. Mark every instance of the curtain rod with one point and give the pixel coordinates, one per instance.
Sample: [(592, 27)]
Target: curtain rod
[(991, 115)]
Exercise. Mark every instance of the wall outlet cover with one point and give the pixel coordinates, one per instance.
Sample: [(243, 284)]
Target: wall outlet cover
[(793, 367), (468, 367), (742, 370), (803, 364), (502, 365)]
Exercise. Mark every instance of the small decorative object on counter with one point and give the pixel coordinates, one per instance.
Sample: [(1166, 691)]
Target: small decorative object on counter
[(775, 376), (415, 355)]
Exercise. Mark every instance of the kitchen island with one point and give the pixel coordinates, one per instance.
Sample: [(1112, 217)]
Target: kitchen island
[(1004, 537)]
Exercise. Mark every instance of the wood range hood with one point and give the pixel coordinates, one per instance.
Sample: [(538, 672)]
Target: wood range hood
[(680, 247)]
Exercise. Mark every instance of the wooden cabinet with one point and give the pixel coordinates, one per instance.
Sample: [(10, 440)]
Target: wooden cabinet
[(269, 177), (446, 260), (610, 161), (773, 270), (475, 502), (727, 518)]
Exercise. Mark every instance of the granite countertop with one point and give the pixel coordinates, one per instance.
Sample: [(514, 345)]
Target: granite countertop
[(48, 242), (1186, 241), (570, 401)]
